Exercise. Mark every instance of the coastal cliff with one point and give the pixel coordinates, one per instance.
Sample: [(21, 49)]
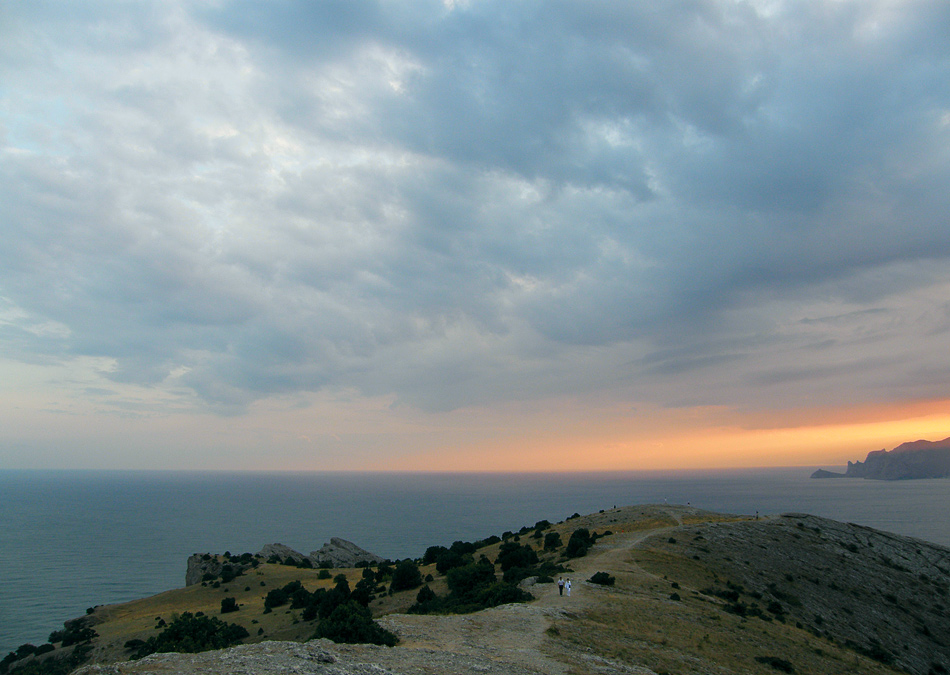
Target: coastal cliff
[(918, 459)]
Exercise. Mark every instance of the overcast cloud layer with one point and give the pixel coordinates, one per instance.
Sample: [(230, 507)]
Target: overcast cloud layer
[(454, 204)]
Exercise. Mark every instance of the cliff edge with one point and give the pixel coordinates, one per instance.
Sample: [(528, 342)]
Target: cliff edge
[(918, 459)]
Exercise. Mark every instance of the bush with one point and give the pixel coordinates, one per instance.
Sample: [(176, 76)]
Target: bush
[(579, 543), (406, 576), (603, 579), (365, 590), (552, 541), (450, 560), (425, 595), (465, 581), (323, 574), (62, 665), (353, 624), (276, 598), (514, 555), (777, 663), (74, 632), (190, 634), (500, 593), (462, 547), (229, 605), (433, 553)]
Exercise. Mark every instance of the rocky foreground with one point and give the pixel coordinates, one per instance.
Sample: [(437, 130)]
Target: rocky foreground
[(694, 592)]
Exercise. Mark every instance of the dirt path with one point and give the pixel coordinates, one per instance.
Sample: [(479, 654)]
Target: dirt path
[(510, 639)]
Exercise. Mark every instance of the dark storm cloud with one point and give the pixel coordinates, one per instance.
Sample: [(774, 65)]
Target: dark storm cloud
[(526, 199)]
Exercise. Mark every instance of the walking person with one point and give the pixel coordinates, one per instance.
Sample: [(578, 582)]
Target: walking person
[(560, 586), (567, 586)]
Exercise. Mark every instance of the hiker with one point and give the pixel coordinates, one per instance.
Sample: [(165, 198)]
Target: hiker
[(560, 586), (567, 585)]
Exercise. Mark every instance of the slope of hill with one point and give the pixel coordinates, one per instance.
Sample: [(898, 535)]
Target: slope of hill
[(693, 592)]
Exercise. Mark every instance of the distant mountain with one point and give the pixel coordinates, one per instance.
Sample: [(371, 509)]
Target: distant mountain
[(918, 459)]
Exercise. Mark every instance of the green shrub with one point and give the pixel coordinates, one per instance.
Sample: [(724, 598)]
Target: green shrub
[(352, 623), (425, 595), (275, 598), (62, 665), (450, 560), (323, 574), (777, 663), (500, 593), (465, 581), (229, 605), (514, 555), (74, 632), (406, 576), (603, 579), (364, 591), (552, 541), (432, 554), (190, 634), (579, 543)]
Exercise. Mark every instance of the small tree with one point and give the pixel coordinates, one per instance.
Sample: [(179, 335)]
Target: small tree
[(552, 541), (514, 555), (229, 605), (406, 576), (353, 623), (579, 543)]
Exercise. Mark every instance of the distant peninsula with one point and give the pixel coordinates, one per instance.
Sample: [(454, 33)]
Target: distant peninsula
[(918, 459)]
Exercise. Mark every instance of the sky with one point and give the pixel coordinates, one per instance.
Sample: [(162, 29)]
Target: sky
[(472, 235)]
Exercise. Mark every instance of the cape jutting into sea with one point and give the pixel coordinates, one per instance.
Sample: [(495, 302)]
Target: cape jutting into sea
[(73, 539)]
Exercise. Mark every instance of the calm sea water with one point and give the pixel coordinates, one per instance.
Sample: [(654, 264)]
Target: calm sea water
[(73, 539)]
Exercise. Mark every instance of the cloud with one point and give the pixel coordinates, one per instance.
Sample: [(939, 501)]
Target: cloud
[(469, 203)]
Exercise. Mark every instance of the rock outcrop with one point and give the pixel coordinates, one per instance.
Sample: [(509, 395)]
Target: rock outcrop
[(201, 566), (821, 473), (285, 553), (919, 459), (337, 553), (342, 553)]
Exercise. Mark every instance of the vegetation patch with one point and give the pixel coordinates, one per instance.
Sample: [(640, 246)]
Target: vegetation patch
[(190, 634), (603, 579), (775, 662)]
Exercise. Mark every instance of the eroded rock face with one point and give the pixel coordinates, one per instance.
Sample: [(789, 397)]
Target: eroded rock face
[(920, 459), (337, 553), (342, 553), (282, 552), (201, 564)]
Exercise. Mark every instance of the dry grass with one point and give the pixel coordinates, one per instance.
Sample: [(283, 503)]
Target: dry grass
[(635, 623)]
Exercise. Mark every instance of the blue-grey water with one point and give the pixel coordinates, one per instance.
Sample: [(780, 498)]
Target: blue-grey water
[(73, 539)]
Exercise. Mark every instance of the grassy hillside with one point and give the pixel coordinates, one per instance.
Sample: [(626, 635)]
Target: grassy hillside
[(692, 592)]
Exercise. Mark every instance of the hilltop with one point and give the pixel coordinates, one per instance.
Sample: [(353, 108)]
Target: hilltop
[(683, 591)]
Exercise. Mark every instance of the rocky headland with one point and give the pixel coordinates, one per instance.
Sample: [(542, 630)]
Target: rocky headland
[(336, 553), (678, 590), (918, 459)]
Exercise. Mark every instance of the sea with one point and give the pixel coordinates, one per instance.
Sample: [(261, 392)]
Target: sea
[(75, 539)]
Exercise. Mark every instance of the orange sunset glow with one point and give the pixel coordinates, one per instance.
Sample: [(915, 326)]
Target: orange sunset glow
[(472, 236)]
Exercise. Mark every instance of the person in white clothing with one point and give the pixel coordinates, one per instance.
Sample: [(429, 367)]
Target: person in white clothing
[(567, 587)]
